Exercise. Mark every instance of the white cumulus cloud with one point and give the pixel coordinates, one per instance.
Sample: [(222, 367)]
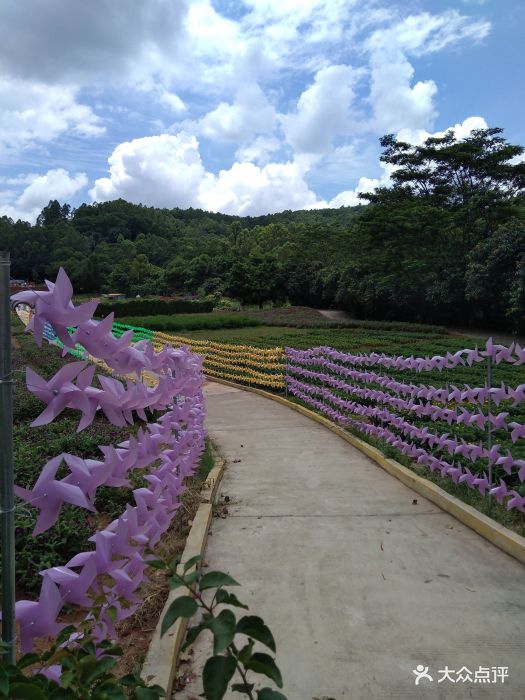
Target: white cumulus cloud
[(396, 101), (163, 171), (55, 184), (251, 113), (322, 110), (167, 171), (37, 112)]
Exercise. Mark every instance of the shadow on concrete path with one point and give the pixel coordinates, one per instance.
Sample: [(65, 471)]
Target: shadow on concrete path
[(359, 578)]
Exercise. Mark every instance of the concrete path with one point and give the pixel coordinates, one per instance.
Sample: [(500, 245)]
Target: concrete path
[(359, 578)]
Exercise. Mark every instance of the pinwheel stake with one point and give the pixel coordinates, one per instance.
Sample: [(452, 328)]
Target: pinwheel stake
[(6, 464), (489, 429)]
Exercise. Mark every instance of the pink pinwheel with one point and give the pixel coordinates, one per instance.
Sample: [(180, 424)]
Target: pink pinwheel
[(56, 307), (49, 495), (499, 491), (517, 501), (518, 431), (38, 619), (73, 586)]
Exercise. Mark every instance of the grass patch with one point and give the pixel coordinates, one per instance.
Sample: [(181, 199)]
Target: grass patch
[(187, 322), (306, 317), (153, 306)]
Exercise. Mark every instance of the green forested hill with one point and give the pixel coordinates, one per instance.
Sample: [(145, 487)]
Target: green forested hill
[(445, 243)]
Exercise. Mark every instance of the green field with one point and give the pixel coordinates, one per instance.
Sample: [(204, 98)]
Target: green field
[(366, 340), (184, 322)]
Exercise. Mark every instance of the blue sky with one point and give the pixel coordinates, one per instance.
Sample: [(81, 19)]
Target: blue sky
[(241, 106)]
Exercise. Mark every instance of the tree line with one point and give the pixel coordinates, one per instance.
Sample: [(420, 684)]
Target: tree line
[(444, 243)]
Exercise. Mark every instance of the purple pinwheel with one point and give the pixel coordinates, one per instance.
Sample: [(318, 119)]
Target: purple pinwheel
[(49, 495), (493, 454), (74, 586), (455, 473), (520, 352), (521, 464), (498, 422), (38, 619), (490, 349), (472, 356), (119, 462), (129, 577), (478, 419), (104, 552), (482, 483), (467, 478), (506, 462), (476, 452), (518, 431), (96, 336), (58, 393), (504, 354), (87, 474), (498, 394), (56, 307), (499, 491), (516, 501), (517, 395)]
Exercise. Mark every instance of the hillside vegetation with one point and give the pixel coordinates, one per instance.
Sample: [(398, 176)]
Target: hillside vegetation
[(444, 244)]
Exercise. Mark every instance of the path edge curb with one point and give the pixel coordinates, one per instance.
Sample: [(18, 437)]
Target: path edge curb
[(160, 664), (499, 535)]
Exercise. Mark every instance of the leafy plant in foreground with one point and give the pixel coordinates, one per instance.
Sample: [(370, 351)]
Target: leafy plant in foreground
[(228, 656), (85, 675)]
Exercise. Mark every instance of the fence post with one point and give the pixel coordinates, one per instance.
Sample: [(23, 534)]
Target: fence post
[(6, 464), (489, 428)]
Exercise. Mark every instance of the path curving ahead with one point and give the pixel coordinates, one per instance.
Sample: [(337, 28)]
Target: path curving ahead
[(359, 578)]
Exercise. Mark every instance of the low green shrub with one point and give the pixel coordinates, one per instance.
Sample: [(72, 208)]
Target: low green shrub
[(154, 307), (189, 322)]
